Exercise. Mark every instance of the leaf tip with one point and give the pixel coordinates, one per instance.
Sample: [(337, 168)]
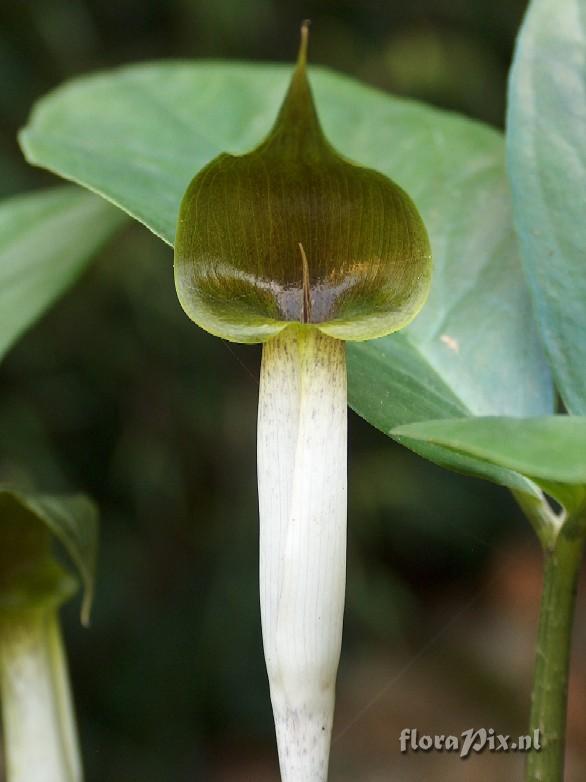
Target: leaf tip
[(86, 608)]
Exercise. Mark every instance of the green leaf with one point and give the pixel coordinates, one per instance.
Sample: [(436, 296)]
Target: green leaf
[(294, 233), (29, 573), (547, 162), (473, 349), (550, 450), (46, 239)]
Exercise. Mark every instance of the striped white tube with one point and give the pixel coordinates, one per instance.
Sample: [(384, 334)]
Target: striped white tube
[(302, 480), (39, 727)]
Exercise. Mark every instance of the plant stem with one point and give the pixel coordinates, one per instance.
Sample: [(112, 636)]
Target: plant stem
[(544, 520), (39, 725), (550, 689), (302, 478)]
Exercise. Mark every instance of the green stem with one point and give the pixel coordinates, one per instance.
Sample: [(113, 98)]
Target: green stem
[(39, 725), (550, 689), (542, 518)]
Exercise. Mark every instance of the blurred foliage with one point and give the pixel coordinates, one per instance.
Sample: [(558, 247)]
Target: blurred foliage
[(116, 393)]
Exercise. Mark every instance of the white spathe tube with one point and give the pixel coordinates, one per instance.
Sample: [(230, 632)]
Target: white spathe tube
[(302, 480), (40, 735)]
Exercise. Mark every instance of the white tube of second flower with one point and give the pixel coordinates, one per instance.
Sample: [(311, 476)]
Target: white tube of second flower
[(39, 725), (302, 478)]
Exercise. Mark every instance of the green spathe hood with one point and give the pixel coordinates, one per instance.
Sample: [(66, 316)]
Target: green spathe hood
[(294, 233)]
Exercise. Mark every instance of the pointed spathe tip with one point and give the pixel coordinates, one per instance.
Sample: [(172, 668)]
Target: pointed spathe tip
[(303, 43)]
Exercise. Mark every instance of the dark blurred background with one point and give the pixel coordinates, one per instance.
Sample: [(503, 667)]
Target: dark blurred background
[(117, 393)]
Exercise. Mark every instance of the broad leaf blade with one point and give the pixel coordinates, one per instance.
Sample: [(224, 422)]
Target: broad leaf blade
[(137, 135), (547, 163), (29, 519), (394, 386), (46, 239), (390, 384), (550, 450), (473, 350), (476, 330)]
